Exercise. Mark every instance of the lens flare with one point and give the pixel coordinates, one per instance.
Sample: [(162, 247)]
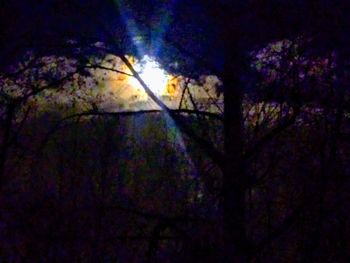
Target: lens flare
[(151, 73)]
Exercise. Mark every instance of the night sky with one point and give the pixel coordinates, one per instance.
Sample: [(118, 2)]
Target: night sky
[(174, 131)]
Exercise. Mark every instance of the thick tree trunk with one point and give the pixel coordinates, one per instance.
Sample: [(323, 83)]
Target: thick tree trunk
[(235, 176)]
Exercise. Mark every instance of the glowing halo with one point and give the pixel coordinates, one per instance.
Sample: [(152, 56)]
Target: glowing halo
[(155, 77)]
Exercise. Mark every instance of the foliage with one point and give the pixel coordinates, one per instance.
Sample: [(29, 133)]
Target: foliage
[(244, 176)]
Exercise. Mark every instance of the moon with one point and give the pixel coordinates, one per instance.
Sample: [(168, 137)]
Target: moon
[(152, 74)]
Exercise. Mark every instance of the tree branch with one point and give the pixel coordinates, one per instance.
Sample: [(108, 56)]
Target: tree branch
[(210, 150)]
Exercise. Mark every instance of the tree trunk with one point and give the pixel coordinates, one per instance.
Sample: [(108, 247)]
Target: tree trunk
[(235, 176)]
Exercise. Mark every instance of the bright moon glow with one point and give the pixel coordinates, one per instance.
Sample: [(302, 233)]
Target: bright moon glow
[(151, 73)]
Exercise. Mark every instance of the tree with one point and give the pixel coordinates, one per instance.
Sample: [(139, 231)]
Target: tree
[(195, 36)]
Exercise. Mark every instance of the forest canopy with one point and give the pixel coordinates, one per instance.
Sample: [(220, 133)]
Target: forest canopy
[(174, 131)]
